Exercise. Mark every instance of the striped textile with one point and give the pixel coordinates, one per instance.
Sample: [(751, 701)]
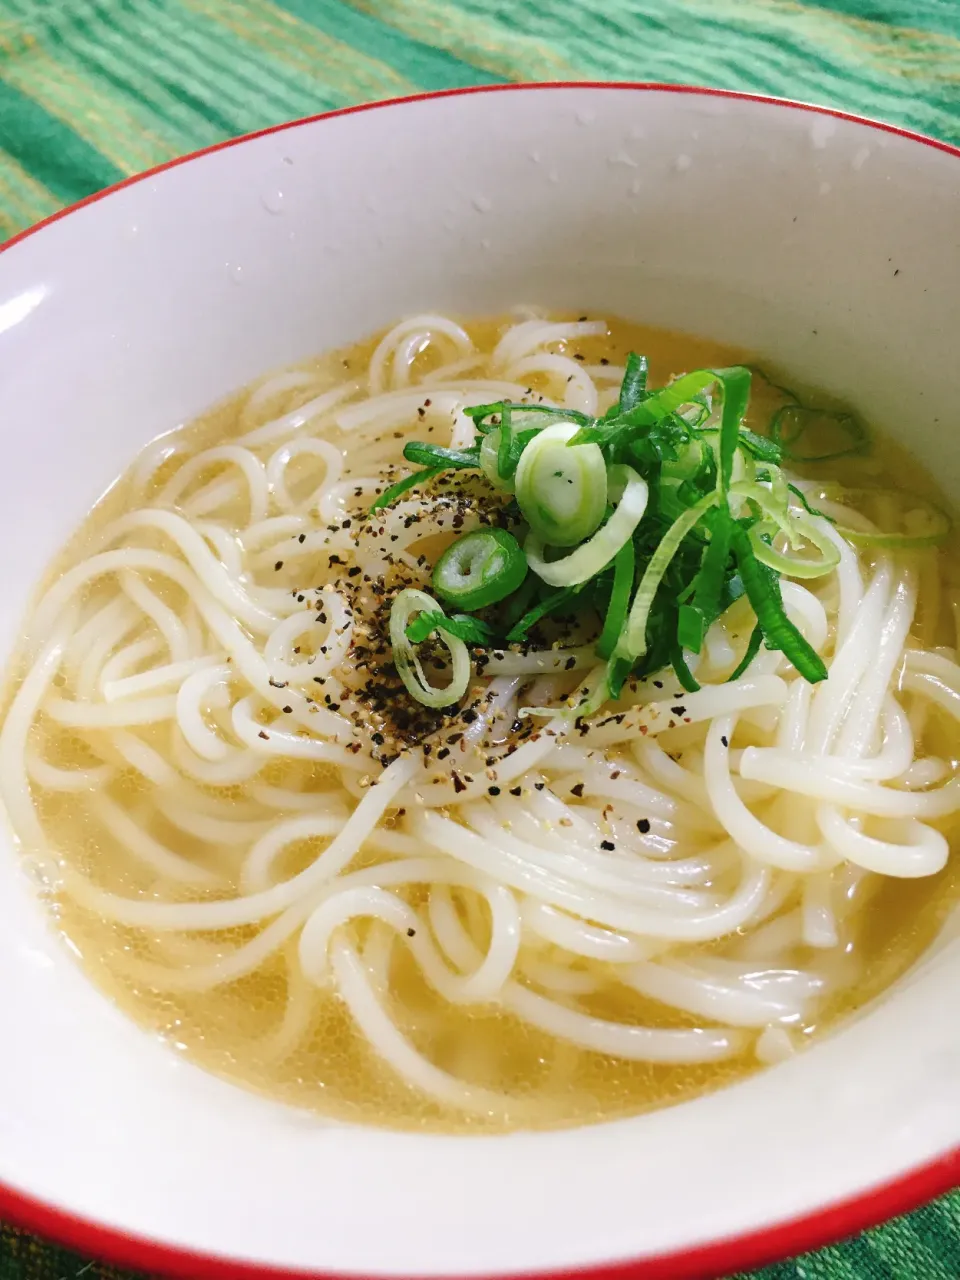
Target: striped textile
[(92, 90)]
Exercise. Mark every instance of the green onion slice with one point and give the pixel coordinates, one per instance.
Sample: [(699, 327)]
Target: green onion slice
[(410, 601), (624, 567), (395, 491), (906, 521), (762, 586), (562, 492), (817, 435), (799, 529), (633, 639), (597, 552), (480, 568), (490, 460)]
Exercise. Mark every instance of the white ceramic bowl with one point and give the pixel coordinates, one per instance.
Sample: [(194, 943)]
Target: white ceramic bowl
[(828, 243)]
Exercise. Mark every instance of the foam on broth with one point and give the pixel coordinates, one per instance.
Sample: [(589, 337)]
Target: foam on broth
[(305, 1050)]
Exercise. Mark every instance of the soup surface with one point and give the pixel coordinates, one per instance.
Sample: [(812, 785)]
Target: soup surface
[(272, 855)]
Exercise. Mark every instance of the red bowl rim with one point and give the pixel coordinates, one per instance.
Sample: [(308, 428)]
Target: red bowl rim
[(710, 1261)]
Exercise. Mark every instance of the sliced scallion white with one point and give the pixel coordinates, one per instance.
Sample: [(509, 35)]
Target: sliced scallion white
[(561, 491), (595, 554)]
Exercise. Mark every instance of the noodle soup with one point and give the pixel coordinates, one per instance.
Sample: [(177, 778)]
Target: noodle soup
[(545, 900)]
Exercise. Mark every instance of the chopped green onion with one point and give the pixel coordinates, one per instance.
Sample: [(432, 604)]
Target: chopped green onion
[(469, 630), (633, 638), (688, 681), (736, 392), (434, 455), (479, 412), (389, 496), (624, 566), (811, 511), (634, 386), (562, 492), (596, 553), (712, 574), (690, 628), (407, 603), (480, 568), (761, 537), (753, 648), (552, 604), (799, 529), (490, 460), (763, 591), (790, 424), (923, 523)]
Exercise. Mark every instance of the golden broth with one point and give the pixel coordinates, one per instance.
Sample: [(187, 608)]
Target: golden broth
[(298, 1044)]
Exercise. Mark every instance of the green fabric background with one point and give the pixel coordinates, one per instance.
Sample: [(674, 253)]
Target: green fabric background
[(92, 90)]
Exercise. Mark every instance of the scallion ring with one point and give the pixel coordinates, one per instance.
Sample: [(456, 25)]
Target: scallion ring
[(409, 602), (561, 491), (799, 529), (794, 566), (480, 568), (597, 552), (489, 460)]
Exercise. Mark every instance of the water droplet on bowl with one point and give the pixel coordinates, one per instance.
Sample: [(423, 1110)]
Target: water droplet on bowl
[(485, 243), (236, 273), (553, 176), (273, 201), (586, 117), (683, 163), (825, 188), (636, 186), (621, 158), (481, 204), (536, 157), (860, 158)]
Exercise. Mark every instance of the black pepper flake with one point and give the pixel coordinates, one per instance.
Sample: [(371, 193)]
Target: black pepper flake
[(443, 753), (569, 664), (352, 573), (604, 360), (302, 537), (458, 783), (278, 565), (515, 791), (288, 710), (658, 684), (468, 716), (723, 739), (643, 826), (679, 711), (538, 786), (411, 933), (493, 791), (263, 735), (577, 790), (607, 845)]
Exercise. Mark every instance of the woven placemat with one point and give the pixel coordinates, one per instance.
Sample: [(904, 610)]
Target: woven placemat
[(93, 90)]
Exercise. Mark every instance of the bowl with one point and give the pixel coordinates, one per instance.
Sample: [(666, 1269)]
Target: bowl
[(825, 243)]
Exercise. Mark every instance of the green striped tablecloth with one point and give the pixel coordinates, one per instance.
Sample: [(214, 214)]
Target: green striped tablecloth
[(92, 90)]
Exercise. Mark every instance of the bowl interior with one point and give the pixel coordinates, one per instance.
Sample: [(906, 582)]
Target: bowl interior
[(822, 244)]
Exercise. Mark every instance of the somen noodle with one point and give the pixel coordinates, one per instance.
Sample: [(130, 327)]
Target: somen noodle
[(348, 827)]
